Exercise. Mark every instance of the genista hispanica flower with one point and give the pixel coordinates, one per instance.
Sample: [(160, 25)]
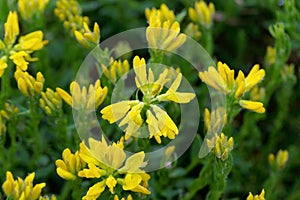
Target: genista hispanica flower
[(82, 98), (70, 165), (28, 85), (19, 53), (69, 12), (51, 102), (22, 189), (222, 79), (158, 121), (30, 8), (109, 165), (115, 70), (261, 196), (280, 160), (202, 13), (163, 32), (220, 145)]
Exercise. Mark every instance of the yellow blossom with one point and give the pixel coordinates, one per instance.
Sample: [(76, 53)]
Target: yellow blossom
[(252, 105), (3, 65), (9, 111), (116, 69), (86, 37), (129, 197), (254, 77), (29, 85), (83, 98), (31, 8), (70, 165), (11, 28), (193, 31), (22, 189), (215, 119), (109, 164), (257, 197), (31, 42), (69, 11), (164, 13), (163, 33), (220, 145), (202, 13), (50, 101), (281, 158)]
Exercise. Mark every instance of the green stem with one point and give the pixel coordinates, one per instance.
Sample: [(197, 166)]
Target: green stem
[(12, 134), (35, 121)]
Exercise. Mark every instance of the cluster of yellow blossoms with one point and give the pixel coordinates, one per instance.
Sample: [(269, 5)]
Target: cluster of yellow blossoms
[(202, 13), (222, 79), (31, 8), (69, 12), (23, 189), (158, 121), (116, 69), (261, 196), (106, 163), (220, 145), (163, 32), (19, 53), (280, 160)]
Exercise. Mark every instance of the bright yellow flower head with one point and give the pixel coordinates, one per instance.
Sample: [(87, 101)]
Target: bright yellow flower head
[(31, 8), (222, 79), (164, 13), (11, 27), (31, 42), (83, 98), (158, 121), (70, 165), (116, 69), (163, 32), (28, 85), (257, 197), (220, 145), (215, 119), (22, 189), (109, 164), (202, 13), (86, 37)]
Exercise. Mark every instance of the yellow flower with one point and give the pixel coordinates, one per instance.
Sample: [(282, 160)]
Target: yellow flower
[(281, 158), (9, 111), (109, 164), (29, 85), (51, 102), (82, 98), (11, 28), (31, 42), (115, 70), (215, 119), (164, 13), (252, 105), (70, 165), (158, 121), (202, 13), (192, 30), (163, 32), (129, 197), (31, 8), (19, 59), (69, 11), (22, 189), (3, 65), (257, 197), (223, 81), (220, 145), (86, 37)]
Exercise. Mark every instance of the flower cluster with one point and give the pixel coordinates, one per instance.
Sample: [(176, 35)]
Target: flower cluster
[(83, 98), (28, 85), (69, 12), (22, 189), (19, 53), (222, 79), (115, 70), (220, 145), (261, 196), (158, 121), (31, 8), (280, 160), (163, 31), (202, 13), (108, 164)]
